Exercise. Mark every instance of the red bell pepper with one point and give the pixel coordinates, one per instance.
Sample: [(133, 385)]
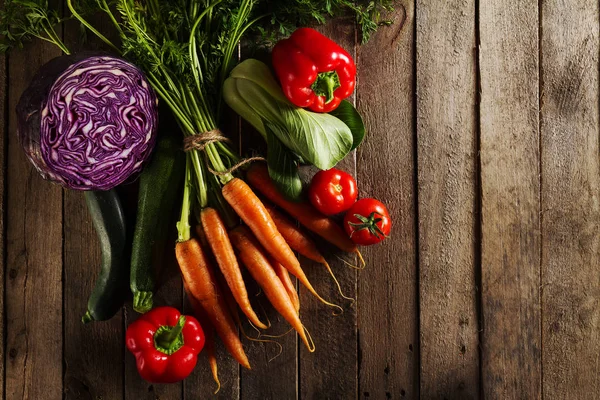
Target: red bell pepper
[(314, 71), (165, 344)]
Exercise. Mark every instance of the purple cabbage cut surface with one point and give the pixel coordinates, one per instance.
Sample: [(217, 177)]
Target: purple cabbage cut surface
[(88, 122)]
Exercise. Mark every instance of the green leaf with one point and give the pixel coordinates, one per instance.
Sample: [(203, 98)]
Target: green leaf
[(283, 169), (319, 139), (259, 73), (235, 101), (350, 116)]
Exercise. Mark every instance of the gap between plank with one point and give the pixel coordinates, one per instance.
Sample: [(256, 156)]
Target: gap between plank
[(541, 211), (4, 218), (62, 272), (415, 150), (478, 204)]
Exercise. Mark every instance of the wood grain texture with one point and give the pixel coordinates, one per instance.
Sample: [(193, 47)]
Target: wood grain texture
[(200, 384), (387, 288), (169, 293), (570, 191), (511, 365), (3, 208), (447, 146), (272, 376), (93, 353), (331, 371), (34, 336)]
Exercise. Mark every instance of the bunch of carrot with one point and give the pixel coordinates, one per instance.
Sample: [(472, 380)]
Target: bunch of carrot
[(264, 244)]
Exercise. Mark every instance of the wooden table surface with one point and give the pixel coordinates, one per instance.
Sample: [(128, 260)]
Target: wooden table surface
[(483, 140)]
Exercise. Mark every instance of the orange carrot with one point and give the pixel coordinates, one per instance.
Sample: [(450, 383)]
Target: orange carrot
[(289, 286), (253, 212), (212, 356), (306, 214), (200, 279), (216, 235), (300, 242), (209, 333), (257, 263)]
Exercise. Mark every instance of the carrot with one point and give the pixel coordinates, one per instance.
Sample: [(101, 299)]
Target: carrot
[(216, 235), (253, 212), (209, 334), (257, 263), (300, 242), (307, 215), (212, 356), (284, 277), (200, 279)]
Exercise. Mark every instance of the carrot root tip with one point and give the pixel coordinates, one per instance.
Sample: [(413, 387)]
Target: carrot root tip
[(278, 336), (278, 353), (337, 283), (362, 260), (310, 344), (350, 264), (264, 312)]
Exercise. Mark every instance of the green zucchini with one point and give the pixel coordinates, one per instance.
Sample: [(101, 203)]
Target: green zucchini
[(159, 183), (108, 218)]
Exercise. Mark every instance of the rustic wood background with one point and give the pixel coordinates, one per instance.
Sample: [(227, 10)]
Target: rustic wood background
[(484, 142)]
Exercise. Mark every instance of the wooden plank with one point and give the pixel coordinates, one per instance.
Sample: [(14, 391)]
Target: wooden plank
[(274, 370), (387, 288), (3, 215), (200, 385), (274, 374), (93, 353), (510, 186), (331, 371), (447, 177), (570, 189), (169, 293), (34, 336)]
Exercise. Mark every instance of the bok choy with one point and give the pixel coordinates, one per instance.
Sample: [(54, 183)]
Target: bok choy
[(293, 134)]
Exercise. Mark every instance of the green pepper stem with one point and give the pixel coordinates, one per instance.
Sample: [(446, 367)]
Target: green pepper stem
[(325, 84), (169, 339)]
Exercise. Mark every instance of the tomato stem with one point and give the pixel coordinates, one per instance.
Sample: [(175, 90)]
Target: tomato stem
[(369, 223)]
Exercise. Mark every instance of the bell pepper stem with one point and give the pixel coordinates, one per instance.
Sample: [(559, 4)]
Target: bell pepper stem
[(169, 339), (326, 84)]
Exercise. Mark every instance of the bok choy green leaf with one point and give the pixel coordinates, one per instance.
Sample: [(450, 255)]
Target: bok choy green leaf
[(319, 139)]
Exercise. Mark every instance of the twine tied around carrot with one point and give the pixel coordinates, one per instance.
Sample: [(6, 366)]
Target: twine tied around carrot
[(201, 140)]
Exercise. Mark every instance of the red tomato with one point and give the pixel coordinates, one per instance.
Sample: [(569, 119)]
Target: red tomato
[(367, 222), (332, 191)]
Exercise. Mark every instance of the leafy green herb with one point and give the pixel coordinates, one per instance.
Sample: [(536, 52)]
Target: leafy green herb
[(286, 15), (22, 20)]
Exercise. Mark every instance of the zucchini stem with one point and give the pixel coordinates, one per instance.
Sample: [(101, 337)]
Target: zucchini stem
[(142, 301)]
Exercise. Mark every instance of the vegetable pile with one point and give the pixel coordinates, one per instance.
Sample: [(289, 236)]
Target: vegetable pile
[(88, 123), (96, 128)]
